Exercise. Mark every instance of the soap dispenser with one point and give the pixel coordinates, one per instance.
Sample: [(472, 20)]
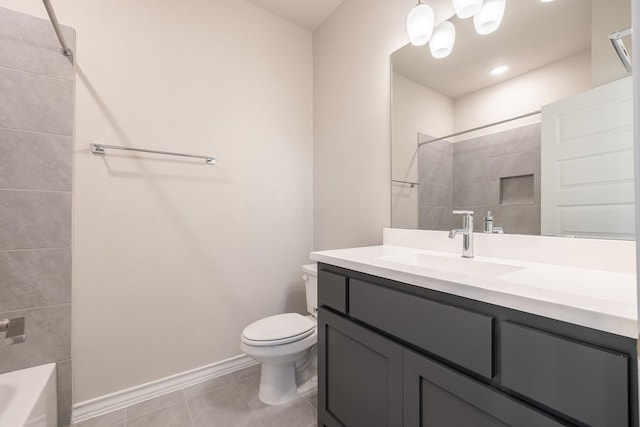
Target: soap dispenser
[(488, 223)]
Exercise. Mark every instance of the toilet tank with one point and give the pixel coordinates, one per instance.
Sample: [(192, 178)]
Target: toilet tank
[(310, 276)]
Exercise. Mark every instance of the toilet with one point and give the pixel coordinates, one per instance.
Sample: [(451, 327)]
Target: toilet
[(285, 344)]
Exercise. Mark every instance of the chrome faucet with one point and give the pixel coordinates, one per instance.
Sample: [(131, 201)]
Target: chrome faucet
[(14, 329), (466, 231)]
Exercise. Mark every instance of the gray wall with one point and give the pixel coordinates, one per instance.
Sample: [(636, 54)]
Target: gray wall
[(36, 147), (498, 173)]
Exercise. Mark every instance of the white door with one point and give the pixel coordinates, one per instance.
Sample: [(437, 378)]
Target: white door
[(587, 179)]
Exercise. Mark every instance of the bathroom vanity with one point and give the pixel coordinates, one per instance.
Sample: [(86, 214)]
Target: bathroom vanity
[(407, 337)]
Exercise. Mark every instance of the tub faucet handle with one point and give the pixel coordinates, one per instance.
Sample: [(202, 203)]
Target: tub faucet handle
[(14, 329)]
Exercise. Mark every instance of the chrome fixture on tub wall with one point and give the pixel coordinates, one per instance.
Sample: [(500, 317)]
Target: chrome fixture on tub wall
[(14, 329)]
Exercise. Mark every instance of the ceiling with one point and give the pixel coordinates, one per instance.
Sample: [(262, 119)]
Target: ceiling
[(308, 14), (533, 34)]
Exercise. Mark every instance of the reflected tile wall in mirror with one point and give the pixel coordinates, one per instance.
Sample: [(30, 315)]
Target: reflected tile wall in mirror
[(470, 175)]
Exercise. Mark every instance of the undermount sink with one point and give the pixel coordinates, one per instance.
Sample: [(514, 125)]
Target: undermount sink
[(469, 266)]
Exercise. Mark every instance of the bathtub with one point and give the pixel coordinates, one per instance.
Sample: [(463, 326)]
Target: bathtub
[(28, 397)]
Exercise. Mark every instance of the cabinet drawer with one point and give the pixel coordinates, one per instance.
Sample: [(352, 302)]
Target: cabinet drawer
[(460, 336), (587, 383), (332, 290), (435, 396)]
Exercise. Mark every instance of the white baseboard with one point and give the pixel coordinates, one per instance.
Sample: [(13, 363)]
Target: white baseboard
[(83, 411)]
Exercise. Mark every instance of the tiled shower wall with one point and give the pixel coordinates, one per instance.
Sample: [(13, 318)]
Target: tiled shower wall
[(435, 184), (36, 148), (498, 173)]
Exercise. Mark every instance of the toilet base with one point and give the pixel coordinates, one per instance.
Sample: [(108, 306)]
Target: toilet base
[(278, 383)]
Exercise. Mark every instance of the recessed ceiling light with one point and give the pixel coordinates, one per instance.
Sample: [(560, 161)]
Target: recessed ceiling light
[(499, 70), (546, 1)]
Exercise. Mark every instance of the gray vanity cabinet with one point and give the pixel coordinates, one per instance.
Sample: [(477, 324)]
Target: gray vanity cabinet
[(435, 396), (583, 381), (396, 355), (360, 373)]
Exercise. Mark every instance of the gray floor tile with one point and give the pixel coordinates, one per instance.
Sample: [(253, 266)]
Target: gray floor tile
[(251, 371), (172, 416), (224, 407), (208, 386), (249, 388), (220, 402), (297, 414), (112, 419), (312, 398), (155, 404), (269, 414)]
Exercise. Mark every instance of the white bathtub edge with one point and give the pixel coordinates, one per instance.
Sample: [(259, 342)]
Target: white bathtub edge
[(36, 391)]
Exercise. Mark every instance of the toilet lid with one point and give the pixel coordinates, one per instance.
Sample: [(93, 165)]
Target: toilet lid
[(278, 328)]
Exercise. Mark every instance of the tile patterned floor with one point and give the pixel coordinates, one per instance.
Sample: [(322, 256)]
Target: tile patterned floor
[(228, 401)]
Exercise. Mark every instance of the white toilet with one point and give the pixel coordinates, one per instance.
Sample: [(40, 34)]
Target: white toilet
[(285, 345)]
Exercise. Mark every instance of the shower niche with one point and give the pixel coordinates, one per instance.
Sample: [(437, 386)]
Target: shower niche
[(499, 172)]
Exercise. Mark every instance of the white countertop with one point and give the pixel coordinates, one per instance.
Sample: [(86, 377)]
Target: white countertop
[(594, 298)]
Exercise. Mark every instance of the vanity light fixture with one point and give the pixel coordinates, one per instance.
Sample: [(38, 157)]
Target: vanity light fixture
[(466, 8), (546, 1), (420, 24), (499, 70), (442, 40), (489, 18)]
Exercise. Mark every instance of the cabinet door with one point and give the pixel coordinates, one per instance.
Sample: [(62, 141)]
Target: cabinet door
[(359, 375), (435, 396)]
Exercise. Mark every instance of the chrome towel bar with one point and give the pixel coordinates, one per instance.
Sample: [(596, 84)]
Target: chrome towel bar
[(99, 149)]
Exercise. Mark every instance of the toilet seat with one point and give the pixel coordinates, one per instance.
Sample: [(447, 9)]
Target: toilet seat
[(277, 330)]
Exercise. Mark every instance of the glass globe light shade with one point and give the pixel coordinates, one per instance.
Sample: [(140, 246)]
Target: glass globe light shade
[(466, 8), (420, 24), (489, 18), (442, 40)]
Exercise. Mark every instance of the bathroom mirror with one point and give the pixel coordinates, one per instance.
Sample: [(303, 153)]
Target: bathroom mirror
[(564, 167)]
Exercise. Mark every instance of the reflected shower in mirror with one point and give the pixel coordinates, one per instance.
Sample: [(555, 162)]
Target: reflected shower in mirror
[(545, 143)]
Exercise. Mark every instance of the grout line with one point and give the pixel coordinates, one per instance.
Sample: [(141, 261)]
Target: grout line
[(25, 190), (38, 308), (36, 132), (35, 249), (246, 401), (184, 395), (72, 80)]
